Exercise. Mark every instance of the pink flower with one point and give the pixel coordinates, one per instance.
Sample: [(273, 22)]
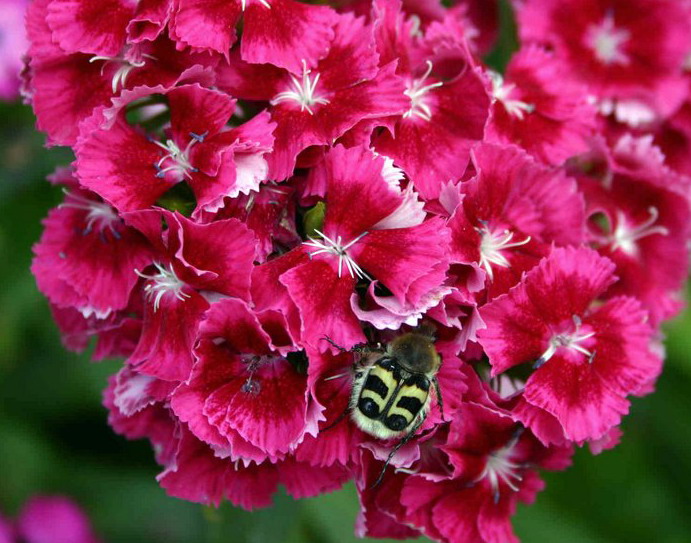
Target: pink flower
[(316, 105), (48, 519), (244, 396), (510, 213), (587, 359), (132, 169), (13, 45), (284, 33), (87, 255), (446, 114), (640, 222), (66, 86), (385, 237), (629, 54), (538, 108)]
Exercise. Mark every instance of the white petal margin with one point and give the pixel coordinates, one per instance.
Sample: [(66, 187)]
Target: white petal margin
[(409, 213), (391, 314)]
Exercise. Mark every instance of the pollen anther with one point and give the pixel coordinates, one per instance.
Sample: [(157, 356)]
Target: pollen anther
[(180, 157), (99, 214), (568, 340)]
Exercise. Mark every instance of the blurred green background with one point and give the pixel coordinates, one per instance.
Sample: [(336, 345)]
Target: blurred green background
[(54, 437)]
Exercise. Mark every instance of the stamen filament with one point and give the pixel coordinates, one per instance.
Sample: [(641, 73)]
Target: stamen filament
[(416, 92), (491, 245), (180, 157), (163, 282), (327, 245), (99, 213), (624, 238), (570, 341), (502, 91), (303, 93)]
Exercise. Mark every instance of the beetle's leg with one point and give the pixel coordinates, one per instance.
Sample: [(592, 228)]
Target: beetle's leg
[(440, 401), (400, 444)]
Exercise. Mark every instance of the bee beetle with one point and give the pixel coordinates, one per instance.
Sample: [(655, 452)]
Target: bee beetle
[(391, 396)]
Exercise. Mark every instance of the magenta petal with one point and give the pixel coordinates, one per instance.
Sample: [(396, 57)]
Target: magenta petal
[(226, 248), (286, 34), (149, 20), (232, 320), (118, 165), (267, 407), (66, 91), (211, 370), (86, 248), (578, 396), (206, 24), (399, 256), (460, 109), (54, 519), (624, 354), (197, 110), (165, 346), (80, 26), (356, 175), (323, 299), (199, 476), (561, 286), (133, 391), (543, 425), (353, 46), (302, 480)]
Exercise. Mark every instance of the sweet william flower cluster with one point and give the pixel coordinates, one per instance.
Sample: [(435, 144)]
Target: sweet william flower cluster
[(253, 177)]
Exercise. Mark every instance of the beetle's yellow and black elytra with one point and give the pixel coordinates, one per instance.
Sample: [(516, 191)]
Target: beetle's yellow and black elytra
[(391, 393)]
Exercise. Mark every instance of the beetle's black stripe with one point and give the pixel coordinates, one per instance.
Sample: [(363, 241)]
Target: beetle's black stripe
[(419, 381), (376, 385), (410, 403)]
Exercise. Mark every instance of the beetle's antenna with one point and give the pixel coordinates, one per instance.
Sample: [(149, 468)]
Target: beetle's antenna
[(342, 349)]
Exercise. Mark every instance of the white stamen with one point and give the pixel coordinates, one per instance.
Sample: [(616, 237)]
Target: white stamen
[(502, 91), (606, 41), (569, 341), (163, 282), (500, 468), (99, 214), (303, 93), (180, 157), (327, 245), (416, 91), (624, 236), (124, 67), (491, 246)]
